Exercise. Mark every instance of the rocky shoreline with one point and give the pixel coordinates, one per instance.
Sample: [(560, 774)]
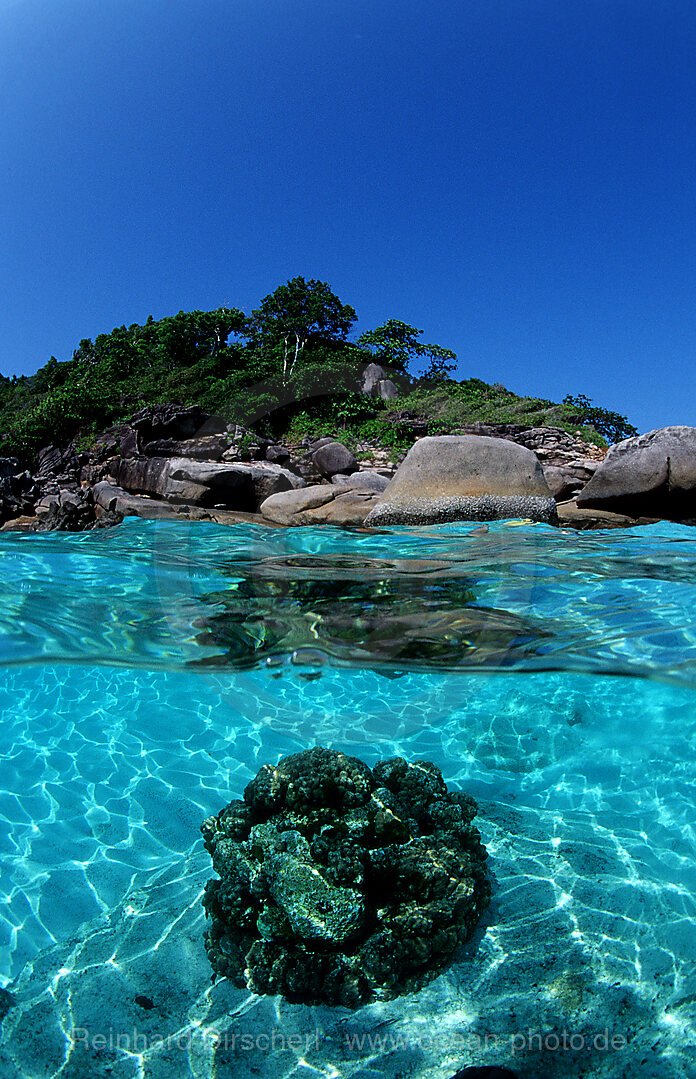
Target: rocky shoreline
[(174, 463)]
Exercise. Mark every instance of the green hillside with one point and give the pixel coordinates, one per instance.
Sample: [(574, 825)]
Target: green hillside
[(289, 367)]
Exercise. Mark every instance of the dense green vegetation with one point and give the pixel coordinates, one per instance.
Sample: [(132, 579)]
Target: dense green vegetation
[(288, 368)]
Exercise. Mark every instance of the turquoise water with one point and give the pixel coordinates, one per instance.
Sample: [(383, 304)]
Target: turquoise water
[(150, 670)]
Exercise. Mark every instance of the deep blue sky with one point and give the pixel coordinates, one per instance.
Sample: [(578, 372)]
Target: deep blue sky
[(515, 177)]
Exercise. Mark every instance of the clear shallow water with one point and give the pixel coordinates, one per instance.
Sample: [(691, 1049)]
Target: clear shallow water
[(551, 675)]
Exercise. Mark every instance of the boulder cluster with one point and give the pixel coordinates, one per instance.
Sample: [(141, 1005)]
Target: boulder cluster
[(174, 462), (338, 883)]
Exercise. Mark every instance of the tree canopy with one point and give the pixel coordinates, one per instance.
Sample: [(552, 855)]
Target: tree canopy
[(396, 345), (611, 425), (297, 315)]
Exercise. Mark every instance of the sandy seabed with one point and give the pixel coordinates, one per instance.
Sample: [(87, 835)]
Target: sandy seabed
[(583, 964)]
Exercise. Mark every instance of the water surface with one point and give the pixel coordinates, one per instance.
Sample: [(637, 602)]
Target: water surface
[(150, 670)]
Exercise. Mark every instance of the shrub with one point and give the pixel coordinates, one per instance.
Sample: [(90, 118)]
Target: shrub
[(611, 425)]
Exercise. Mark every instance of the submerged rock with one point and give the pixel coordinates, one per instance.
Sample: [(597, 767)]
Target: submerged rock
[(7, 1002), (410, 614), (488, 1071), (338, 883)]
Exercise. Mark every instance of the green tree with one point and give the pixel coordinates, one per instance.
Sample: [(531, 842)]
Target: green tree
[(611, 425), (396, 345), (189, 336), (185, 357), (297, 316)]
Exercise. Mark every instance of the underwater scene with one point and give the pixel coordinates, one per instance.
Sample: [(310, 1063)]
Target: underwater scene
[(152, 670)]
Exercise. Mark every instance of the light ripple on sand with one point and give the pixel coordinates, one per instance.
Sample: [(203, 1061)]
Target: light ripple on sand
[(585, 794)]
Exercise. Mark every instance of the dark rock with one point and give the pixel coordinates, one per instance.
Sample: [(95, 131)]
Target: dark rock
[(106, 518), (113, 499), (175, 421), (465, 477), (650, 475), (305, 468), (209, 448), (237, 486), (8, 467), (279, 454), (49, 461), (488, 1071), (73, 511), (63, 464), (110, 499), (121, 440), (334, 457), (251, 482), (94, 472), (145, 1002), (159, 476), (565, 481), (15, 490), (338, 883), (245, 445), (152, 476), (7, 1002)]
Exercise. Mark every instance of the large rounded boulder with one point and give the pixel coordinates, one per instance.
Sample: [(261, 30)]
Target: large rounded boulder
[(333, 458), (652, 475), (465, 478)]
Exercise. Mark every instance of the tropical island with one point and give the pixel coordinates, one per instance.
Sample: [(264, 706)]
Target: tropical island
[(209, 414)]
